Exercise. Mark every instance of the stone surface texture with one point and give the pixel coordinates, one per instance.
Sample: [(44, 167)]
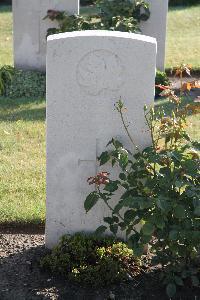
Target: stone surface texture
[(30, 30), (156, 27), (87, 72)]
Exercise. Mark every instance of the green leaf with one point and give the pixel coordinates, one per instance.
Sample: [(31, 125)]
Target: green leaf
[(91, 200), (178, 280), (159, 222), (122, 176), (108, 220), (195, 280), (171, 289), (104, 158), (179, 212), (123, 160), (114, 228), (164, 204), (148, 229), (100, 230), (197, 211), (173, 235), (118, 207), (129, 216), (127, 202), (122, 225), (111, 187), (117, 144), (138, 250)]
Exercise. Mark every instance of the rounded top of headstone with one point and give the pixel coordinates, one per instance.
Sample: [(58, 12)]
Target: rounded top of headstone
[(102, 33)]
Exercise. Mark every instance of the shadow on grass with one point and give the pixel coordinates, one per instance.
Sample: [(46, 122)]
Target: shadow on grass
[(5, 8), (20, 109), (8, 103), (183, 7), (32, 114)]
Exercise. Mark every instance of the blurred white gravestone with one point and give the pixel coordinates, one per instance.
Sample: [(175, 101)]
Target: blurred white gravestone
[(29, 30), (156, 27), (87, 72)]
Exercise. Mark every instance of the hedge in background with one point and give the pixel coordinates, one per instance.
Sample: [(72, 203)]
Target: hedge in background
[(32, 84), (26, 84)]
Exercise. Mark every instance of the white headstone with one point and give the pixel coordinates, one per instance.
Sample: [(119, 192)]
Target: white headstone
[(156, 27), (30, 30), (87, 73)]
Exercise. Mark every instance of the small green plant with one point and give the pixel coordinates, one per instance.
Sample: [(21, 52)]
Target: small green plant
[(29, 84), (92, 260), (161, 188), (114, 15), (161, 79), (6, 75)]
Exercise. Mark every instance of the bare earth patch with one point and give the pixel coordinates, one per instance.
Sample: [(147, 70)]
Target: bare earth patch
[(21, 278)]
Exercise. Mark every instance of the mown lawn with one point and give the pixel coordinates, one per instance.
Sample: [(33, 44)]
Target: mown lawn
[(183, 39), (22, 160), (6, 42)]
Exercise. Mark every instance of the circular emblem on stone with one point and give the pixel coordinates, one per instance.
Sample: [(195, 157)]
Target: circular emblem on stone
[(100, 70)]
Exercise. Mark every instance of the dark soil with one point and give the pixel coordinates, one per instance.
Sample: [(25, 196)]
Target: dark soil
[(21, 277)]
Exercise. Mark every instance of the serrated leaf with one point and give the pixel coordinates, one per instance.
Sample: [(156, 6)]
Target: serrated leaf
[(100, 230), (91, 200), (171, 289), (129, 216)]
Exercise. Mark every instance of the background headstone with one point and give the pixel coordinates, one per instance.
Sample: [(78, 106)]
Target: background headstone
[(87, 72), (156, 27), (30, 30)]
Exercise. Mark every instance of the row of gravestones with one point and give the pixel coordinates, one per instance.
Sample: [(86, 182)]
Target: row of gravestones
[(30, 29), (87, 72)]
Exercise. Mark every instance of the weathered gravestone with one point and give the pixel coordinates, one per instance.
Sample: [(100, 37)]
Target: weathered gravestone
[(87, 72), (30, 30), (156, 27)]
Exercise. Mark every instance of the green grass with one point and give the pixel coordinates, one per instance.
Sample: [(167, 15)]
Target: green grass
[(6, 40), (22, 160), (193, 121), (183, 39), (183, 42)]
